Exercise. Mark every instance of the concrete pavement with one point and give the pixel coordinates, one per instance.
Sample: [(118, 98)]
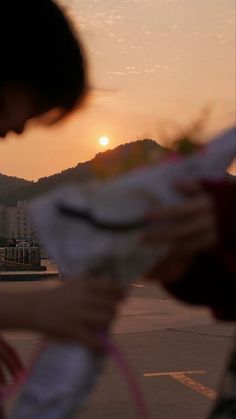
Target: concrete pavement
[(178, 354)]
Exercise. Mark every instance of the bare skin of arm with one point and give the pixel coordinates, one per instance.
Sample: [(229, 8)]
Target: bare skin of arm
[(74, 311)]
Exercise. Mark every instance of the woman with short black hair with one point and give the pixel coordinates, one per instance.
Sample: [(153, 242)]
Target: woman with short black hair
[(42, 63), (43, 68)]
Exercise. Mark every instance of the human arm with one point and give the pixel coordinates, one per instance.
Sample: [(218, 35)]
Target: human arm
[(74, 311)]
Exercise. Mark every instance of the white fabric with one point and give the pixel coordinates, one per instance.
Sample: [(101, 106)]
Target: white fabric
[(65, 374), (79, 248)]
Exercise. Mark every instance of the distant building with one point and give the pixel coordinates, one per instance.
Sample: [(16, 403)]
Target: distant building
[(2, 220), (15, 223)]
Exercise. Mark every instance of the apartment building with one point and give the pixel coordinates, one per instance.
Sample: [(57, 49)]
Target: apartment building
[(15, 223)]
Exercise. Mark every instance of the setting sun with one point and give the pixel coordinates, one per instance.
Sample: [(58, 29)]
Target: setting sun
[(104, 141)]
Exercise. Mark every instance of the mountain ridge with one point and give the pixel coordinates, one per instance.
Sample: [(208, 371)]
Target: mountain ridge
[(108, 163), (105, 164)]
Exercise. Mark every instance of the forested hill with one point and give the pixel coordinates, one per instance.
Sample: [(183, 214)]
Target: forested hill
[(109, 163)]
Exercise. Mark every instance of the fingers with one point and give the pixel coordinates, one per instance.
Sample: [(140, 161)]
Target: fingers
[(189, 189), (181, 257), (170, 270), (192, 224), (175, 213), (107, 307), (78, 310), (98, 287), (97, 303), (86, 332), (202, 226), (105, 287), (94, 293), (203, 243), (97, 315), (83, 327)]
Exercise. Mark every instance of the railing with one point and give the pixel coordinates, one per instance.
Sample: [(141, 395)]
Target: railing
[(20, 256)]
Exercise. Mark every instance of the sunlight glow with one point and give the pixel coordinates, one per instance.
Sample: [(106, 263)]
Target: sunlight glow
[(104, 141)]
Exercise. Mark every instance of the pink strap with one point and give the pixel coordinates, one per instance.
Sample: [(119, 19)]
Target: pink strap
[(129, 376), (21, 375), (12, 362)]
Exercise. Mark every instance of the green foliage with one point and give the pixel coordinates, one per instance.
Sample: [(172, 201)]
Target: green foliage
[(189, 139), (186, 146)]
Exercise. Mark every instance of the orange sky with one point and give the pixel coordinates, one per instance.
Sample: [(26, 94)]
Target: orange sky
[(153, 63)]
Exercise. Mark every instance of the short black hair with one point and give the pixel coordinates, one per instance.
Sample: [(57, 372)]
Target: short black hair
[(40, 50)]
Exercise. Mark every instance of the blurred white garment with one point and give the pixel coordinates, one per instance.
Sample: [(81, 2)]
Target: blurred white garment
[(97, 230), (99, 227)]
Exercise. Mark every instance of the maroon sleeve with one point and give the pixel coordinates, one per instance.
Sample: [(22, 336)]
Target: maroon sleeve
[(224, 196), (203, 283), (211, 280), (208, 283)]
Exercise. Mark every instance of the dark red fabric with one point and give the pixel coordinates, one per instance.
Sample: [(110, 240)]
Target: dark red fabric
[(224, 196), (9, 360), (211, 281), (2, 382)]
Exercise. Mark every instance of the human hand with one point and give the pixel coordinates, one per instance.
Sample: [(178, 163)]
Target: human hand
[(78, 310), (171, 269), (187, 229)]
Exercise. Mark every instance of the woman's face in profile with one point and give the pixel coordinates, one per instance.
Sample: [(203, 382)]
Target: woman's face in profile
[(17, 106)]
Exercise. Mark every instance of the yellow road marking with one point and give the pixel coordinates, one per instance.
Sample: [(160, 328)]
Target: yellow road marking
[(162, 374), (182, 377), (195, 385)]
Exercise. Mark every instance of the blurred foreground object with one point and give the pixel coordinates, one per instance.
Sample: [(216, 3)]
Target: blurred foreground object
[(97, 230)]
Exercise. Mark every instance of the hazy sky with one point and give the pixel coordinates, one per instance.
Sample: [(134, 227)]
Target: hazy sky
[(153, 63)]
